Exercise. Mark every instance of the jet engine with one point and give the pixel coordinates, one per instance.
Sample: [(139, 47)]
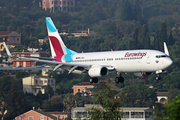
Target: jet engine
[(98, 71), (143, 74)]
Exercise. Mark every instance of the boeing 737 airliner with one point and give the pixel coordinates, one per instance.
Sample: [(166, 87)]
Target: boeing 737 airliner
[(97, 64)]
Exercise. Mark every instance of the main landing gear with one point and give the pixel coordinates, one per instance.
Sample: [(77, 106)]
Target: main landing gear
[(93, 80), (119, 79), (158, 77)]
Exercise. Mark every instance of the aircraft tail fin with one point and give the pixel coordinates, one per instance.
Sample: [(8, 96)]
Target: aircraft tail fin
[(7, 50), (166, 49), (57, 45)]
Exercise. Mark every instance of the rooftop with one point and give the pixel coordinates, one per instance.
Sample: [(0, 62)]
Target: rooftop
[(84, 83)]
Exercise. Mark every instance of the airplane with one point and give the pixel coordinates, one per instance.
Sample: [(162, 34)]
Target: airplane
[(98, 64)]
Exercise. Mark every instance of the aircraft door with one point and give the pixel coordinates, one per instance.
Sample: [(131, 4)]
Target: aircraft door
[(149, 58)]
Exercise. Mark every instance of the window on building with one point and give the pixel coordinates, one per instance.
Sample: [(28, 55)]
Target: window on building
[(42, 118), (64, 3), (136, 114), (52, 2), (30, 118), (27, 90), (36, 82), (148, 114), (51, 81), (126, 115), (17, 39), (79, 90)]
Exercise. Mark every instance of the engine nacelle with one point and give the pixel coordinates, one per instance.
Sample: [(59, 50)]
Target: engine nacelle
[(143, 74), (98, 71)]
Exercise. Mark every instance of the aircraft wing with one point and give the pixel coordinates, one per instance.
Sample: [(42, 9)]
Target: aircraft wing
[(71, 66), (59, 64), (54, 62), (38, 67)]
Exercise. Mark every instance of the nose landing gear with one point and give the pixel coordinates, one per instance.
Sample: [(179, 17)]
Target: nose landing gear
[(93, 80), (158, 77)]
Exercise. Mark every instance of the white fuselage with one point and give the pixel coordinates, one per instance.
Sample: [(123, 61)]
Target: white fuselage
[(125, 61)]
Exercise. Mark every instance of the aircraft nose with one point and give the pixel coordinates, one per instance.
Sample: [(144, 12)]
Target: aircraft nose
[(169, 62)]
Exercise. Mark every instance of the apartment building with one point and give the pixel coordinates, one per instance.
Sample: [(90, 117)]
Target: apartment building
[(62, 5), (26, 63), (84, 88), (35, 83), (40, 115), (129, 113), (11, 38)]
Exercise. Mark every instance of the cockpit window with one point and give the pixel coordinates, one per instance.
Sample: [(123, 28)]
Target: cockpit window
[(160, 56)]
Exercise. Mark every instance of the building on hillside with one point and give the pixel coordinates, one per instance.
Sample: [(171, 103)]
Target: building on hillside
[(40, 115), (130, 113), (26, 63), (85, 88), (35, 83), (162, 96), (11, 38), (62, 5), (82, 33), (62, 115)]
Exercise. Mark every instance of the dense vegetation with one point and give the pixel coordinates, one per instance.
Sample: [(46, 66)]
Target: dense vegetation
[(117, 24)]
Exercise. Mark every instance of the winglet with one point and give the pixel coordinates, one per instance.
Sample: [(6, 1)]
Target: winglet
[(166, 49), (7, 50)]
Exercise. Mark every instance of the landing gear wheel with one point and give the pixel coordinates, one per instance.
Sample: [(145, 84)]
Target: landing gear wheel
[(158, 77), (117, 79), (121, 80), (93, 80)]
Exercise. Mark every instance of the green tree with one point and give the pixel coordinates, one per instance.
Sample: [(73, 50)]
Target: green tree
[(172, 109), (137, 12), (176, 28), (173, 93), (156, 40), (21, 74), (171, 39), (111, 106), (15, 101), (138, 95), (49, 90), (163, 35), (126, 10), (69, 101), (154, 25), (5, 84), (135, 38), (144, 39), (147, 41)]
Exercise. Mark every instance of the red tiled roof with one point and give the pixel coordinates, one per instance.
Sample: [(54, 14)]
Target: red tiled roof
[(5, 33), (162, 93), (58, 113), (42, 113), (84, 83), (46, 114)]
